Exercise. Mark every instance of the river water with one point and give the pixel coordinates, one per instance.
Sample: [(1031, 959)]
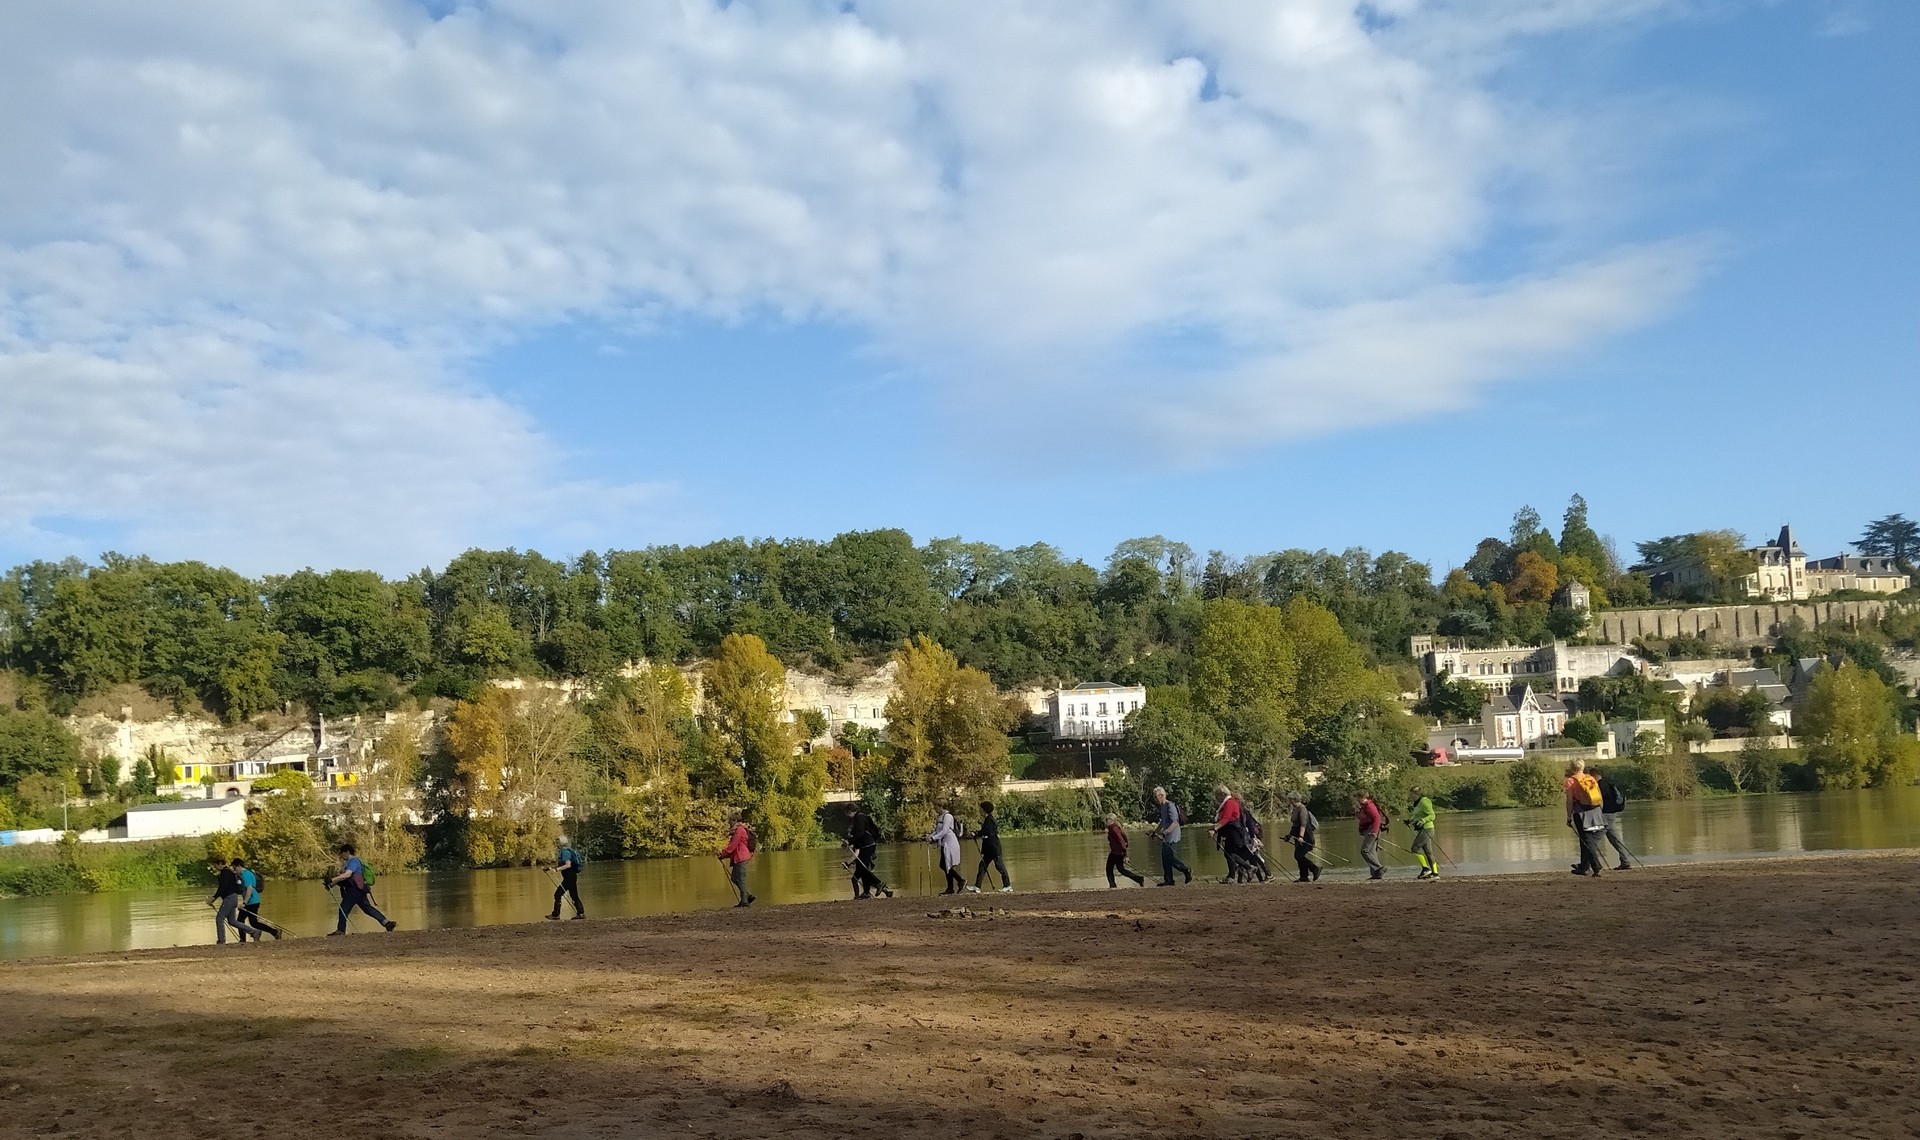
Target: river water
[(1485, 842)]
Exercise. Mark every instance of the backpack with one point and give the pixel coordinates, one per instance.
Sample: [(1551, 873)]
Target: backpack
[(579, 857), (753, 840), (366, 874), (1613, 801), (1586, 790), (259, 882), (1181, 814)]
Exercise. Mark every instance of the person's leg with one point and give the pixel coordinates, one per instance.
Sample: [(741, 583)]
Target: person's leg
[(346, 907), (865, 861), (1113, 864), (222, 918), (1301, 863), (1167, 860), (1139, 880), (1590, 851), (1179, 864), (1000, 864), (367, 908), (980, 872), (559, 890), (1619, 844), (1370, 852), (570, 880)]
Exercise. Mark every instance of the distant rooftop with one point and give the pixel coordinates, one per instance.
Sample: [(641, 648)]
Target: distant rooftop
[(185, 805), (1101, 685)]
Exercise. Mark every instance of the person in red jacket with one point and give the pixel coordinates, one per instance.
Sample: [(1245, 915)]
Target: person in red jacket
[(1231, 838), (735, 854), (1117, 854), (1372, 821)]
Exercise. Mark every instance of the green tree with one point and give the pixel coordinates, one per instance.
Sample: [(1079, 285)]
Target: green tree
[(1172, 742), (1244, 676), (946, 730), (1578, 539), (35, 744), (1850, 725), (282, 836), (1534, 782), (382, 791), (745, 689), (1585, 728), (514, 753), (1454, 700), (1895, 536)]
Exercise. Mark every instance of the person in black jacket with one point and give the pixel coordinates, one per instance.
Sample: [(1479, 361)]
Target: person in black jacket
[(990, 851), (228, 893), (864, 838), (1613, 802)]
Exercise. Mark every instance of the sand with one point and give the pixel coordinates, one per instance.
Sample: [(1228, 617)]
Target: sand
[(1752, 999)]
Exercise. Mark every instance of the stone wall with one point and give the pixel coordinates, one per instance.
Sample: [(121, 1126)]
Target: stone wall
[(1733, 625)]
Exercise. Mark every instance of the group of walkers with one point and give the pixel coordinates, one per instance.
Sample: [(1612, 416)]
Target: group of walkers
[(1593, 807), (237, 889)]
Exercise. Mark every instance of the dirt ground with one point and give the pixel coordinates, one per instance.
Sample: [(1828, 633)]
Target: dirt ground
[(1758, 999)]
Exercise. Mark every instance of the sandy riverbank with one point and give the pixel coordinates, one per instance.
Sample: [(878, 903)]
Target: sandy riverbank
[(1777, 998)]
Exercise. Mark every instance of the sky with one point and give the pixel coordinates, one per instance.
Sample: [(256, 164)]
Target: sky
[(367, 283)]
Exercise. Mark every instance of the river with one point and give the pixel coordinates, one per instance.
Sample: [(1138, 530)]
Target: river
[(1484, 842)]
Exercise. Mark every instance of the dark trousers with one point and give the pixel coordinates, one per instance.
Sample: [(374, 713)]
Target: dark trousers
[(1170, 862), (738, 875), (865, 879), (1590, 851), (1117, 863), (1240, 861), (570, 888), (350, 900), (990, 857), (1309, 871), (250, 919)]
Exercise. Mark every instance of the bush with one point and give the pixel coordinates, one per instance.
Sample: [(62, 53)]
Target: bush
[(55, 869), (1535, 783), (1057, 809), (1462, 788), (1125, 796)]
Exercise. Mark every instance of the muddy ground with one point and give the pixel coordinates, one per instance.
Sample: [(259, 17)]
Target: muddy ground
[(1754, 999)]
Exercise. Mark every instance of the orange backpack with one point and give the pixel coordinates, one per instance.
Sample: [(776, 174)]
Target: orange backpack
[(1586, 790)]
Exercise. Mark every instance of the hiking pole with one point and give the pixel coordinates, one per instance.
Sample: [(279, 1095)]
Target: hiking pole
[(1443, 853), (1314, 850)]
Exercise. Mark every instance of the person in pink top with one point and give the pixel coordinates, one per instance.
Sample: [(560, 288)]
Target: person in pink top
[(1372, 822), (735, 854)]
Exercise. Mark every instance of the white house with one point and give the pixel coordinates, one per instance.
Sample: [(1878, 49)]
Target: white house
[(186, 818), (1558, 667), (1521, 718), (1093, 709)]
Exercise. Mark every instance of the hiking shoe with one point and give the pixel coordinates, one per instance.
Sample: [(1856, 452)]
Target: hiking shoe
[(391, 925), (886, 892), (1578, 871), (973, 890), (553, 917), (335, 933), (1189, 875), (1624, 867), (581, 917), (1168, 883), (1007, 890)]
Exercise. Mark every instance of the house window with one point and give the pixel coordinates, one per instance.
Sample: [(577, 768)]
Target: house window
[(1103, 708)]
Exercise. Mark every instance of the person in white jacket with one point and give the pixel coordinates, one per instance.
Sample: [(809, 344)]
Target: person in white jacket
[(948, 837)]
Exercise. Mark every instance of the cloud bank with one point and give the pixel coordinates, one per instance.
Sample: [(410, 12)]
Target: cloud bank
[(249, 252)]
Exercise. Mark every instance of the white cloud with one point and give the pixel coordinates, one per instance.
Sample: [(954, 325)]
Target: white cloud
[(247, 250)]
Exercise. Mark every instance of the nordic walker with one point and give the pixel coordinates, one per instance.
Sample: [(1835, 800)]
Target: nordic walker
[(1167, 830), (567, 861), (1255, 834), (990, 851), (228, 892), (1613, 802), (1302, 831), (864, 838), (735, 854), (1585, 817), (1420, 818), (355, 891), (1372, 821), (1229, 838), (947, 836), (250, 904), (1117, 855)]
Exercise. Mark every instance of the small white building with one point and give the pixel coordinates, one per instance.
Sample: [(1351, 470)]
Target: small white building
[(1521, 718), (1093, 709), (186, 818)]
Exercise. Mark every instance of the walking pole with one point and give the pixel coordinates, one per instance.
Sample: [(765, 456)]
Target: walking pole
[(1443, 853), (1314, 851)]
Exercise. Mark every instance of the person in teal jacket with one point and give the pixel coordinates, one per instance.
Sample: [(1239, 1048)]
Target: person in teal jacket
[(1420, 818)]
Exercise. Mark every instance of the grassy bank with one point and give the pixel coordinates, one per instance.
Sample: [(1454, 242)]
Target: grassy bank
[(62, 868)]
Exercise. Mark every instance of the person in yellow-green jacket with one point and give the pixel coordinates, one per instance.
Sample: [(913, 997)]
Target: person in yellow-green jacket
[(1420, 818)]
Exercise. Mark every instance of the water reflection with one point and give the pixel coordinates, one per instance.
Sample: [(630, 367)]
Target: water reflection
[(1489, 842)]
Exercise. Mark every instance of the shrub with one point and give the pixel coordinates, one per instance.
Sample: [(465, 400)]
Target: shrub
[(1462, 788), (1535, 783), (1057, 809)]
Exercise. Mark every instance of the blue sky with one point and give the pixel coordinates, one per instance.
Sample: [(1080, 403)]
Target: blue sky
[(367, 285)]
